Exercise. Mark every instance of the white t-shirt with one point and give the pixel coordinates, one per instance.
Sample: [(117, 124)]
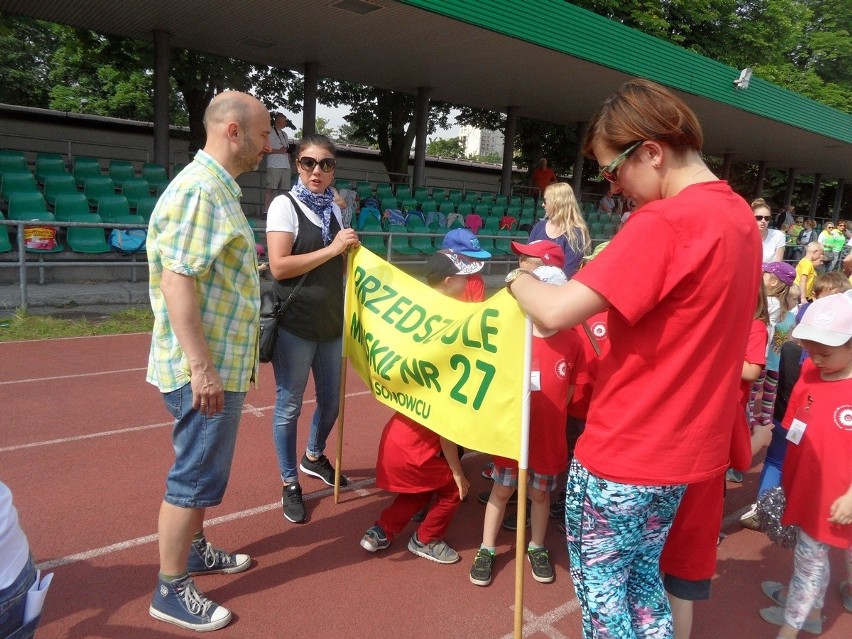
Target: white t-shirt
[(774, 240), (282, 217), (14, 549), (278, 140)]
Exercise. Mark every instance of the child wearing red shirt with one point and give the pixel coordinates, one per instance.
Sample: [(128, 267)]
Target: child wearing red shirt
[(555, 359), (817, 474), (418, 463)]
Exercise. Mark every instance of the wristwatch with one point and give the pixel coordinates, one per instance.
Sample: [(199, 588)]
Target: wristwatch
[(513, 275)]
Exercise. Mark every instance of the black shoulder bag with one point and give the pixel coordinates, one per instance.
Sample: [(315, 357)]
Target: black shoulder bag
[(271, 310)]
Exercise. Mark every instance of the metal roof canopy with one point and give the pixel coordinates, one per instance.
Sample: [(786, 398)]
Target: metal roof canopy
[(549, 59)]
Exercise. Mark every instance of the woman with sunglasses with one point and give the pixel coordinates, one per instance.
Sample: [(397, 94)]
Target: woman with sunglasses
[(563, 223), (662, 412), (773, 240), (306, 241)]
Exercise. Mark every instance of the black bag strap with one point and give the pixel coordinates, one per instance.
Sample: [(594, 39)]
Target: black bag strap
[(283, 305)]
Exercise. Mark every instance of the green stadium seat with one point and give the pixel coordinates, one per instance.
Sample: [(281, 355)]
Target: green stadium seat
[(385, 192), (428, 206), (364, 190), (503, 244), (177, 168), (85, 168), (415, 222), (69, 206), (154, 173), (465, 208), (88, 239), (409, 204), (5, 244), (49, 164), (401, 243), (454, 196), (596, 231), (492, 224), (499, 210), (422, 241), (501, 200), (145, 206), (134, 190), (128, 219), (389, 203), (482, 209), (58, 184), (13, 162), (26, 205), (17, 181), (421, 194), (121, 171), (447, 207), (439, 195), (608, 230), (97, 187), (112, 206)]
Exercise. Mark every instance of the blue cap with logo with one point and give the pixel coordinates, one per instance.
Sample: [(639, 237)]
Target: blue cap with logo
[(465, 242)]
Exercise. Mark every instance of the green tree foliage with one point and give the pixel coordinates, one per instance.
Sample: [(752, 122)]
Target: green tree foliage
[(445, 148), (322, 128), (347, 135), (385, 118), (26, 48)]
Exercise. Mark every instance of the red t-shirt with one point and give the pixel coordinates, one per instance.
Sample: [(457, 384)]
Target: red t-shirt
[(819, 469), (555, 361), (474, 289), (588, 372), (690, 549), (541, 177), (409, 458), (682, 295)]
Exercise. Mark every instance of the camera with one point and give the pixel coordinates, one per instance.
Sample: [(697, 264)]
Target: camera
[(290, 125)]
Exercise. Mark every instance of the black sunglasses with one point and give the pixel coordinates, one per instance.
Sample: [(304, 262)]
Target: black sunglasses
[(763, 217), (326, 165)]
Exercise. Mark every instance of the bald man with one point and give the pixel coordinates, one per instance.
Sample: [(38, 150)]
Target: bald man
[(205, 293)]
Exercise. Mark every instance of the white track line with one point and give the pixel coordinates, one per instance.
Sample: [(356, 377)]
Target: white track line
[(148, 539), (544, 623), (55, 377), (248, 408), (60, 339)]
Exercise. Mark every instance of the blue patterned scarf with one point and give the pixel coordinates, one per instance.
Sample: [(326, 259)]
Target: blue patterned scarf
[(319, 203)]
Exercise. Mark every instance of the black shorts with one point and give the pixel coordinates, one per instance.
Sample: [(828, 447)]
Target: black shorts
[(687, 589)]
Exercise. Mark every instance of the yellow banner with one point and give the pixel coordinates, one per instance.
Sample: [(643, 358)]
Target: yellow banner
[(455, 367)]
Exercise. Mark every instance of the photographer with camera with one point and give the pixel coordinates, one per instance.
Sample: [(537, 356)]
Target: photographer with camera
[(278, 160)]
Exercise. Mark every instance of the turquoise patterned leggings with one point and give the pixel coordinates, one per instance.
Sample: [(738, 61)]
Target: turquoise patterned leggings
[(615, 535)]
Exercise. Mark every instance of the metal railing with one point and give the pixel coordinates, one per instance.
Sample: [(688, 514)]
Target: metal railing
[(22, 263), (68, 146)]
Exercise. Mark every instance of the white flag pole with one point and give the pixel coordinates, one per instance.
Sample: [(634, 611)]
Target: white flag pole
[(523, 463), (342, 398)]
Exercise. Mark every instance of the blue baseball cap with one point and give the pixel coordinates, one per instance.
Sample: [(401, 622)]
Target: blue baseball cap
[(465, 242)]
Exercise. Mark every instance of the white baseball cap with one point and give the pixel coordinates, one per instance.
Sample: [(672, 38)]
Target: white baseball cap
[(827, 321)]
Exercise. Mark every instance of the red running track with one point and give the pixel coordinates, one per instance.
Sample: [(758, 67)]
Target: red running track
[(85, 448)]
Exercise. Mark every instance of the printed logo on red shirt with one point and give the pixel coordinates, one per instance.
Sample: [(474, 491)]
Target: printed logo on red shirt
[(561, 369), (843, 417), (599, 330)]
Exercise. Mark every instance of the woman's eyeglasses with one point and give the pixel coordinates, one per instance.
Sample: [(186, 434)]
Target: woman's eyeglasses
[(766, 218), (326, 165), (610, 171)]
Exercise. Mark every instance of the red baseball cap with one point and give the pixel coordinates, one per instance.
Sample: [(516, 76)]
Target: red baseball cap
[(550, 253)]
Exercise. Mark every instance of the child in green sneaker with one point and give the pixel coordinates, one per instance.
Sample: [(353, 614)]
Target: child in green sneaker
[(416, 462), (556, 356)]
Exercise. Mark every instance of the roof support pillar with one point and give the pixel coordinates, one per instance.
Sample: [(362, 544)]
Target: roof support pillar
[(791, 184), (421, 123), (761, 178), (838, 199), (726, 165), (577, 174), (815, 195), (309, 119), (161, 97), (508, 150)]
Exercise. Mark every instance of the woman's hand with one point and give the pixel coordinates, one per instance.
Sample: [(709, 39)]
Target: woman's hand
[(344, 240), (841, 510)]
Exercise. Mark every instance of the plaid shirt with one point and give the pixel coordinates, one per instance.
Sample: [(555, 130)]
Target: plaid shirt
[(198, 229)]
